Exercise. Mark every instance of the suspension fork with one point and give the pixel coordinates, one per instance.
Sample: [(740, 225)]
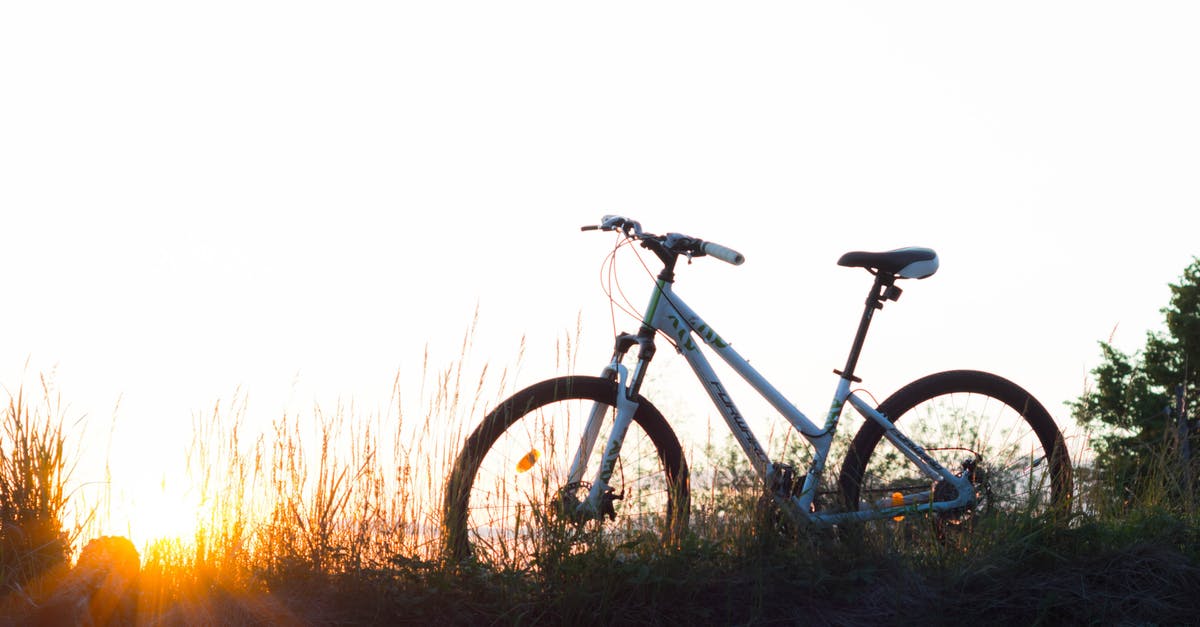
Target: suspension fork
[(627, 406)]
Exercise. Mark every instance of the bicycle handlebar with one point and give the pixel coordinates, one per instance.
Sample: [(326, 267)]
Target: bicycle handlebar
[(728, 255), (672, 242)]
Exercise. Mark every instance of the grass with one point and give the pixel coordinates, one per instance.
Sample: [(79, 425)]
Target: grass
[(334, 518), (35, 467)]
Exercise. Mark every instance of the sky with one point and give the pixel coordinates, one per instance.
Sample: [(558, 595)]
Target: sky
[(296, 201)]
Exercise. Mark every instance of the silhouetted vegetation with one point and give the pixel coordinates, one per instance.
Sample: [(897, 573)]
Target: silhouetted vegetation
[(334, 518), (34, 470), (1143, 405)]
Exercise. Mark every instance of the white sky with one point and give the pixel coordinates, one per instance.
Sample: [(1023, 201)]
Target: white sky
[(297, 197)]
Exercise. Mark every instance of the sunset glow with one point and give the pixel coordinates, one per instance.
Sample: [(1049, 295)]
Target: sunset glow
[(272, 262)]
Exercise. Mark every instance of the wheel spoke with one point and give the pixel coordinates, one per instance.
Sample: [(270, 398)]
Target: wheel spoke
[(975, 425), (514, 504)]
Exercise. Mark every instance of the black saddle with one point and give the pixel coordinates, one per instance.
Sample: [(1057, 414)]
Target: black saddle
[(905, 263)]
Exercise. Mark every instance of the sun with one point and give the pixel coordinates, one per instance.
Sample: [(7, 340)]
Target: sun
[(148, 511)]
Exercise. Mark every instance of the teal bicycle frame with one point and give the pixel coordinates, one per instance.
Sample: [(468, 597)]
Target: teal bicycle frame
[(670, 315)]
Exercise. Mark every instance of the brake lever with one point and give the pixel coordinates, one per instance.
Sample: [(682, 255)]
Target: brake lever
[(630, 228)]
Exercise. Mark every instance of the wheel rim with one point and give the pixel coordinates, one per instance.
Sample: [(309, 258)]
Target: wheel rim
[(514, 509), (1013, 464)]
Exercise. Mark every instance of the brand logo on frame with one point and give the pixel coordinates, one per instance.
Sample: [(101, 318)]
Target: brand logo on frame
[(607, 467), (731, 411), (835, 413), (703, 330)]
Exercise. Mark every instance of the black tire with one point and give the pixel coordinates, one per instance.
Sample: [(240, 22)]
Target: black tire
[(498, 515), (1024, 464)]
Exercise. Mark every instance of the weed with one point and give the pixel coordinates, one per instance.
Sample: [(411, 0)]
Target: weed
[(334, 517)]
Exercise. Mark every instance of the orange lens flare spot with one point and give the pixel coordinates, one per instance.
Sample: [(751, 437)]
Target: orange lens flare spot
[(528, 461), (897, 501)]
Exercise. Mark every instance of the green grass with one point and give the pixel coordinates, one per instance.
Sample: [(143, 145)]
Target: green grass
[(334, 518)]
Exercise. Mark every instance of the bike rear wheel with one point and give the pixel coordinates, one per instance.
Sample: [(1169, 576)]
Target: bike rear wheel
[(1018, 459), (509, 500)]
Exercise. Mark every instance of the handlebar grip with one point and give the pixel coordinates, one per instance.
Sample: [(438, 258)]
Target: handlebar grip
[(728, 255)]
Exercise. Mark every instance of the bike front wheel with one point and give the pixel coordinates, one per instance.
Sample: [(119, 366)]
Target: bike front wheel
[(972, 423), (509, 499)]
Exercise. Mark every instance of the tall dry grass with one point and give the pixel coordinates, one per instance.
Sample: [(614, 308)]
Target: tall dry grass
[(336, 494), (334, 516), (36, 469)]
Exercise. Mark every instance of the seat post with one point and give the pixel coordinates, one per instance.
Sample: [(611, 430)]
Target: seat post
[(884, 289)]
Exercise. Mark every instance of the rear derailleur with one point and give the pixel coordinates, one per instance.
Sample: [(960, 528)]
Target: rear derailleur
[(944, 491)]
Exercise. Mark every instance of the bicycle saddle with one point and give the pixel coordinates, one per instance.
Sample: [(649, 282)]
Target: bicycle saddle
[(906, 263)]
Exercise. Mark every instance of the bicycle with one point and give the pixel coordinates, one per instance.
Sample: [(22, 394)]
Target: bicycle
[(529, 471)]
